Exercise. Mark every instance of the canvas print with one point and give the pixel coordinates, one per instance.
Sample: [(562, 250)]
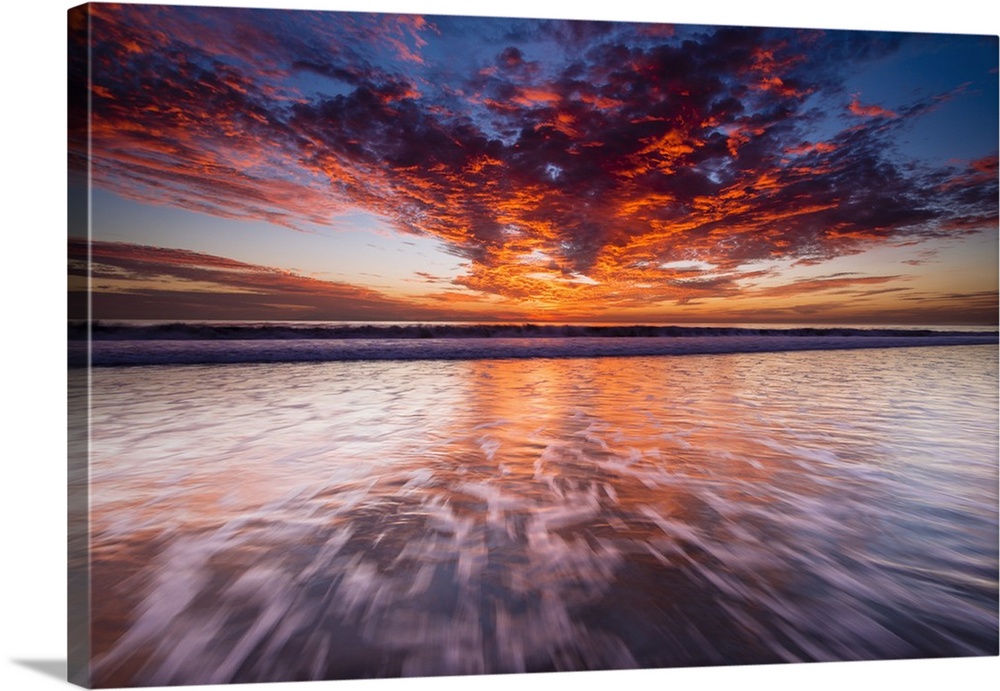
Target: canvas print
[(407, 345)]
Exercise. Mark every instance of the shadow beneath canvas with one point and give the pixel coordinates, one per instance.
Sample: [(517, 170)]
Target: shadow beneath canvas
[(50, 668)]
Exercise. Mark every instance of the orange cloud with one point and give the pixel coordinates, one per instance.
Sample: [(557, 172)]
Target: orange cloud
[(868, 111), (564, 183)]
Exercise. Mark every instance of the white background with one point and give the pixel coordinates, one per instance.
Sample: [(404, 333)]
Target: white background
[(33, 251)]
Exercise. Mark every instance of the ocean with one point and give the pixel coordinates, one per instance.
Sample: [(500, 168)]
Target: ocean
[(504, 509)]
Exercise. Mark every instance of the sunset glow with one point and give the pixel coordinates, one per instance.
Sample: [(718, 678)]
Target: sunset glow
[(255, 164)]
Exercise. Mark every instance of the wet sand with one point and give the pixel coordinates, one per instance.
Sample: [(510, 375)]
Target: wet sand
[(319, 521)]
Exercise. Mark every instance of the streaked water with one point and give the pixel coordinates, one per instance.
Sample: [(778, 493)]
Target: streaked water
[(268, 522)]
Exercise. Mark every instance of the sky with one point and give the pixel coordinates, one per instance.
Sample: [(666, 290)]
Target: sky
[(254, 164)]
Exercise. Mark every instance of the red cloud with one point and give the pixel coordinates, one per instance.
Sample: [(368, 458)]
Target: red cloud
[(568, 181), (869, 111), (142, 282)]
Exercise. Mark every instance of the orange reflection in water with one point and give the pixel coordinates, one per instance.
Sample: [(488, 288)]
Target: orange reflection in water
[(275, 522)]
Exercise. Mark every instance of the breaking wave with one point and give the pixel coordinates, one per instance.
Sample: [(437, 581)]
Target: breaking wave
[(183, 343)]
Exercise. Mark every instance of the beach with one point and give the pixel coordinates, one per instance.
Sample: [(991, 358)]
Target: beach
[(320, 520)]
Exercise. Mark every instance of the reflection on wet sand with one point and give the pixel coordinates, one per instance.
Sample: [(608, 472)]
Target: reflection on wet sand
[(338, 520)]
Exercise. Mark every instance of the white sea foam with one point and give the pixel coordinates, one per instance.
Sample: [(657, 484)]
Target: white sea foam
[(160, 351), (430, 517)]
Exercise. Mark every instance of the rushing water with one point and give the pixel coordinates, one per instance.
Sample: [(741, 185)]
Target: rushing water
[(269, 522)]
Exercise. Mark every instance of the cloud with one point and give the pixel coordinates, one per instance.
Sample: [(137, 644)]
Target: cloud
[(842, 284), (611, 150), (868, 111), (141, 282)]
